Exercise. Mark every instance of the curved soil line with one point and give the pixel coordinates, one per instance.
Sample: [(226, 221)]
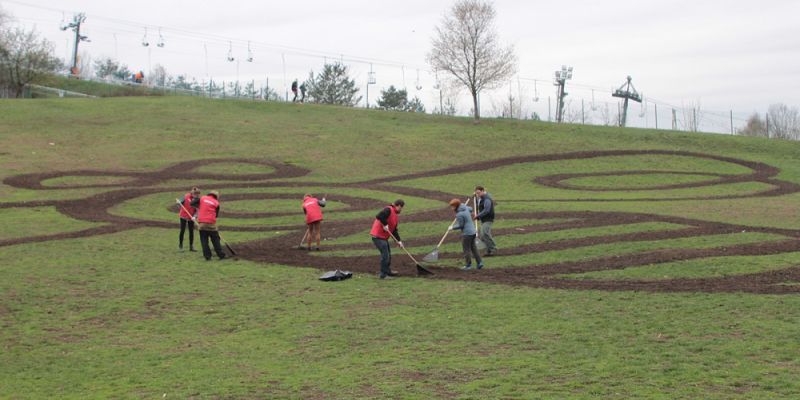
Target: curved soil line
[(282, 249)]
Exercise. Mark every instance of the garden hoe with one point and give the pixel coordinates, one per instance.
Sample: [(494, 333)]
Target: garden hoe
[(433, 256), (233, 253), (420, 269)]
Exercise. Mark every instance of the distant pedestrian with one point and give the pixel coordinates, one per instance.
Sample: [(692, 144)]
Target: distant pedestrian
[(468, 233), (383, 227), (207, 213), (190, 202), (312, 208), (294, 90), (485, 214), (303, 92)]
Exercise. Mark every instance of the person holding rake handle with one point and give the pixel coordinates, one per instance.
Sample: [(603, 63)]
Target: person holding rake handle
[(312, 208), (468, 232), (383, 227)]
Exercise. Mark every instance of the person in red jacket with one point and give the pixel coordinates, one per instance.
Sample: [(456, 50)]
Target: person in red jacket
[(207, 213), (383, 227), (312, 208), (190, 202)]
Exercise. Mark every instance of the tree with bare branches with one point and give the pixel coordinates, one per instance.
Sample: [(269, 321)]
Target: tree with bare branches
[(466, 46), (24, 58)]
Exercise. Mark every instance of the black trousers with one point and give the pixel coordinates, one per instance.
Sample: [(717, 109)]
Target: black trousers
[(184, 224), (214, 236)]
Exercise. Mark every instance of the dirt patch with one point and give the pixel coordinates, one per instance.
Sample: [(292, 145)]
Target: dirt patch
[(283, 249)]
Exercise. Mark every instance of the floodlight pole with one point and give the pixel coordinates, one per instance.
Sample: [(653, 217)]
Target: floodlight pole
[(628, 94)]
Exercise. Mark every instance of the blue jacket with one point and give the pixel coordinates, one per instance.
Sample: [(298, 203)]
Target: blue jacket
[(464, 221)]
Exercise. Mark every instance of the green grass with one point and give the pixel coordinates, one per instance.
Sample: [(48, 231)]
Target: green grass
[(38, 221), (127, 316)]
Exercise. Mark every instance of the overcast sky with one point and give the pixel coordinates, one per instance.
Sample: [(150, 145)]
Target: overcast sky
[(727, 55)]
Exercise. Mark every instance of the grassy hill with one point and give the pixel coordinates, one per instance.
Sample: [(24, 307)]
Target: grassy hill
[(633, 263)]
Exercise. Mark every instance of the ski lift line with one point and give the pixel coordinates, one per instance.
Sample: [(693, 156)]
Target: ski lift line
[(223, 39)]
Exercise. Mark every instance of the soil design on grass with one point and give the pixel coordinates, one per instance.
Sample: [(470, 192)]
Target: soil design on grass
[(283, 249)]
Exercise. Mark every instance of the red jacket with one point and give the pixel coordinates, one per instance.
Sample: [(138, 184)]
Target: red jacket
[(313, 210), (377, 226), (209, 207), (187, 200)]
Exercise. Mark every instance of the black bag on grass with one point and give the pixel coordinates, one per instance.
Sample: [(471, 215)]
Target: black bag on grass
[(336, 276)]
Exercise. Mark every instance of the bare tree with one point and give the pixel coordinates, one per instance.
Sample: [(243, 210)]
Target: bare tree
[(692, 116), (24, 58), (466, 46), (159, 76), (755, 127), (783, 122)]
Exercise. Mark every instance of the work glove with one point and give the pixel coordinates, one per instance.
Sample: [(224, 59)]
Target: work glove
[(386, 228), (400, 244), (450, 228)]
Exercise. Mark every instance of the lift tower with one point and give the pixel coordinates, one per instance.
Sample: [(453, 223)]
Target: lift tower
[(75, 25), (628, 94), (560, 81)]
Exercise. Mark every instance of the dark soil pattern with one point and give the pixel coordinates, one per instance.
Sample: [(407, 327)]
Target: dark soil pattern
[(283, 249)]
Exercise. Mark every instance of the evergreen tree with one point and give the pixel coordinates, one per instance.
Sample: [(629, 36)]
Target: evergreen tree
[(332, 86)]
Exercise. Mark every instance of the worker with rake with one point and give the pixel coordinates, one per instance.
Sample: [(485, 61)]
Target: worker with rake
[(468, 233), (312, 208), (384, 227), (186, 216), (207, 214), (485, 204)]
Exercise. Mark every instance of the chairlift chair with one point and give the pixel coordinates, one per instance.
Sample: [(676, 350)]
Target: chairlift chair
[(145, 43), (230, 52), (160, 39)]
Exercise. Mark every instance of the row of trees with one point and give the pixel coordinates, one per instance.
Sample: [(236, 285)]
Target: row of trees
[(780, 122), (24, 57)]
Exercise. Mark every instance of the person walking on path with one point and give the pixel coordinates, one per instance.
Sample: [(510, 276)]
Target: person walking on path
[(468, 233), (485, 214), (186, 216), (294, 90), (207, 213), (303, 92), (383, 227), (312, 208)]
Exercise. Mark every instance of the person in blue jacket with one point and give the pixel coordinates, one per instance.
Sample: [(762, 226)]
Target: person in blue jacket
[(464, 224)]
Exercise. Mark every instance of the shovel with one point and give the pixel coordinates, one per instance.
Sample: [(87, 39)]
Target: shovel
[(433, 256), (420, 269)]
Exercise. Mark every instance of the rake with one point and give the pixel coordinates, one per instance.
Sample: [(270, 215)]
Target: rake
[(478, 242), (420, 269), (433, 256)]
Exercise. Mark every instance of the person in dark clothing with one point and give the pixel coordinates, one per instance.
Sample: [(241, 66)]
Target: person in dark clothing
[(486, 216), (303, 92), (468, 233), (294, 90), (383, 227), (186, 216), (207, 213)]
